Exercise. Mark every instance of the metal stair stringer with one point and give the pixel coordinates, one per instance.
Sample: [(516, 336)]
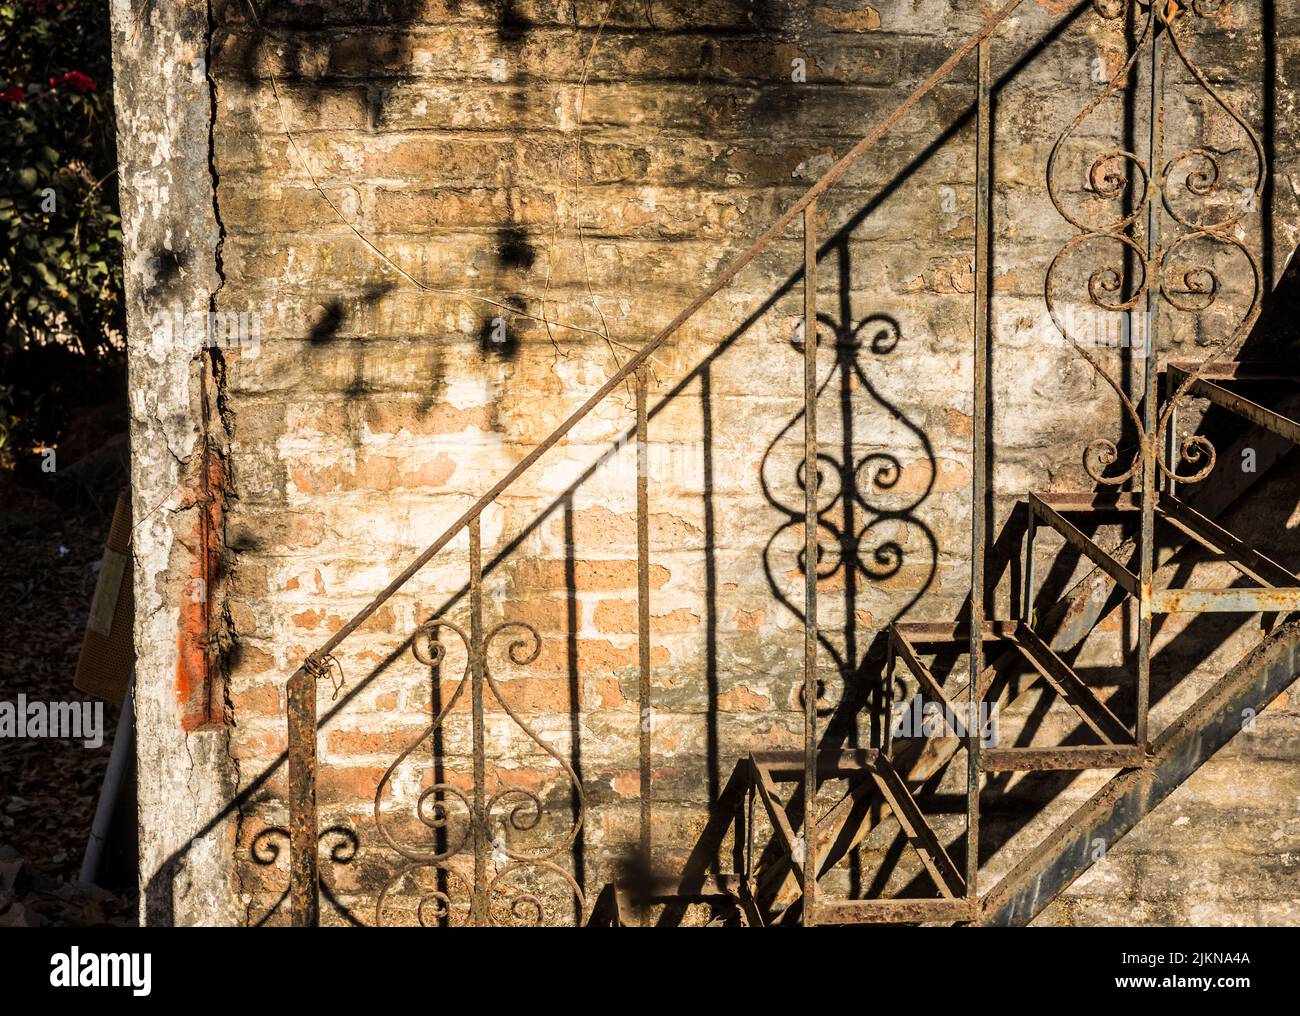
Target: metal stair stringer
[(1182, 748), (1064, 625), (1068, 852)]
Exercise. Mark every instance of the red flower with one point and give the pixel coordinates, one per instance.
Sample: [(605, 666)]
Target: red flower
[(79, 82), (14, 94)]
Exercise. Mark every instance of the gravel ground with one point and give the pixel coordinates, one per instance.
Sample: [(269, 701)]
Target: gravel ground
[(49, 559)]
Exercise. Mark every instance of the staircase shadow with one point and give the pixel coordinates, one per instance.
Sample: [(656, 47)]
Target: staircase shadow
[(842, 721), (856, 666), (1275, 336)]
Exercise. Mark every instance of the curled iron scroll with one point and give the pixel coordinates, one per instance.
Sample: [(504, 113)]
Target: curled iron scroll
[(431, 807), (1205, 178), (527, 813), (522, 808), (1188, 288)]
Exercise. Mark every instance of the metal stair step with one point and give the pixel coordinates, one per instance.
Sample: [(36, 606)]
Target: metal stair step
[(769, 768), (1118, 748), (1275, 589), (1213, 382)]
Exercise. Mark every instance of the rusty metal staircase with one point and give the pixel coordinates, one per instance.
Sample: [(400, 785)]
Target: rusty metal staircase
[(1006, 656), (882, 782), (1009, 656)]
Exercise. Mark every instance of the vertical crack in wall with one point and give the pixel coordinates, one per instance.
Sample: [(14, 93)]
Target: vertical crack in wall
[(172, 236), (214, 397), (214, 443), (204, 631)]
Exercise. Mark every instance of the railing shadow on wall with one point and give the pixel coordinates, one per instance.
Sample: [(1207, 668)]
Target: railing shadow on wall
[(268, 839), (878, 334), (276, 24), (853, 671), (863, 522), (843, 724)]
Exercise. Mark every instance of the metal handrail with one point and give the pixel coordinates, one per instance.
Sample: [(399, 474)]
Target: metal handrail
[(824, 183), (301, 686)]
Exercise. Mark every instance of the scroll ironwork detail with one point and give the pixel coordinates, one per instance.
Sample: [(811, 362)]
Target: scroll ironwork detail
[(1191, 188), (474, 824)]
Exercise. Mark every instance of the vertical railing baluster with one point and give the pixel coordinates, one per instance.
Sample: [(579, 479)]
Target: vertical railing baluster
[(748, 871), (887, 733), (810, 474), (979, 464), (643, 603), (477, 652), (1149, 443), (304, 899), (1027, 581), (1171, 435)]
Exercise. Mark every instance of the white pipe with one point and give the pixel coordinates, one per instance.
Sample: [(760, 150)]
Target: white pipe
[(123, 741)]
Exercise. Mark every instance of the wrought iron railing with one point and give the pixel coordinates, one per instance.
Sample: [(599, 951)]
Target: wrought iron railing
[(1107, 178), (1157, 261)]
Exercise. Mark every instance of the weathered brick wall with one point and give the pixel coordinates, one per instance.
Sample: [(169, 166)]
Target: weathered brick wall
[(594, 165)]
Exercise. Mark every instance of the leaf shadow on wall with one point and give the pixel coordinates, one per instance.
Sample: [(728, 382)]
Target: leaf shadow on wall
[(301, 61), (695, 382)]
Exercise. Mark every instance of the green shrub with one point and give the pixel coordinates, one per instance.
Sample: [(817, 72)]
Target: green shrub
[(60, 233)]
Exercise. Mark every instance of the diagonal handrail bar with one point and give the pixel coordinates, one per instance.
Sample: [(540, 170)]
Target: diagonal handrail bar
[(824, 183)]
